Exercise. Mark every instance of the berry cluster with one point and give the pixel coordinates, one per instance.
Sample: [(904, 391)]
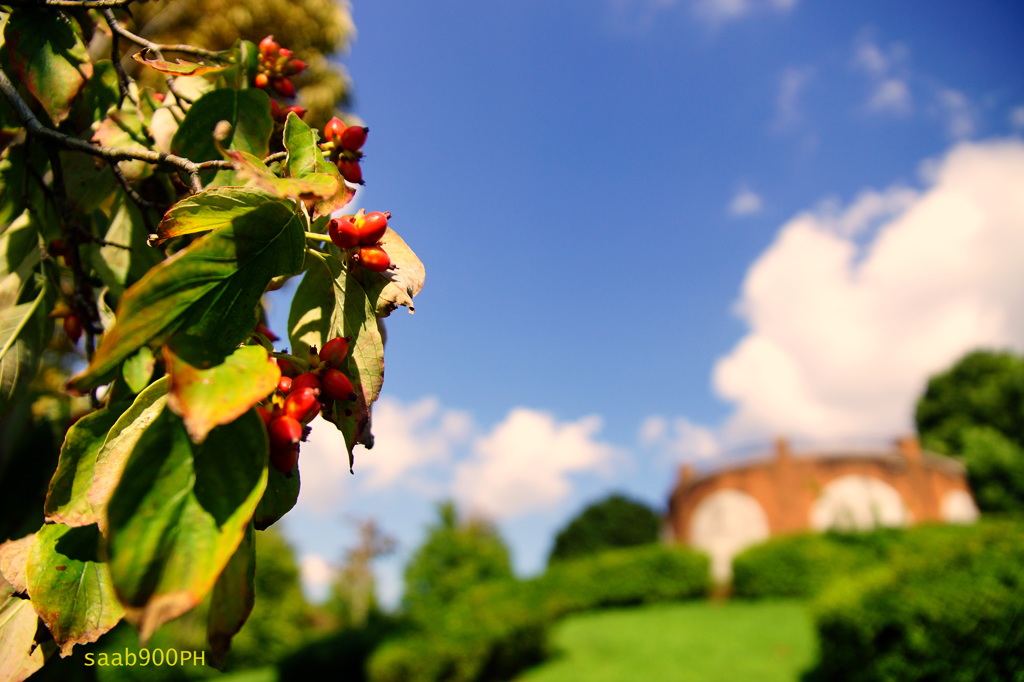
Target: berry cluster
[(276, 67), (346, 148), (300, 396), (362, 231)]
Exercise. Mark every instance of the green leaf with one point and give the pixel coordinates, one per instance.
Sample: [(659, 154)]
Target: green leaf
[(179, 67), (330, 302), (20, 656), (205, 398), (278, 499), (234, 595), (24, 332), (210, 209), (256, 174), (138, 369), (12, 185), (207, 292), (180, 512), (49, 57), (305, 158), (126, 257), (117, 448), (248, 112), (70, 586), (67, 500), (88, 182)]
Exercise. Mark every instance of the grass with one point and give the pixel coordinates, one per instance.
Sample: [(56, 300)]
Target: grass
[(699, 641)]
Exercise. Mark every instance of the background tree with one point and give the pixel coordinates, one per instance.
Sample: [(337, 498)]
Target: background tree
[(456, 555), (314, 29), (613, 522), (975, 412), (353, 597)]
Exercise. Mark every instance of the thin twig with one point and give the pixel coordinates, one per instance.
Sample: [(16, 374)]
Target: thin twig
[(83, 4), (110, 154), (158, 48), (115, 57), (130, 191)]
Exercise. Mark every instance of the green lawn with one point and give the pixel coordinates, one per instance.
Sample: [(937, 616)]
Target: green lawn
[(699, 641)]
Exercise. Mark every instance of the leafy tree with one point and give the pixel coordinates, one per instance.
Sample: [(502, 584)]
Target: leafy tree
[(353, 596), (613, 522), (150, 219), (455, 556), (315, 29), (975, 411)]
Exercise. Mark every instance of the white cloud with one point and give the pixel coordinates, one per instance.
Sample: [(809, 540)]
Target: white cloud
[(680, 440), (788, 112), (745, 202), (887, 73), (1017, 117), (316, 575), (957, 112), (408, 438), (850, 310), (891, 94), (524, 464), (721, 11)]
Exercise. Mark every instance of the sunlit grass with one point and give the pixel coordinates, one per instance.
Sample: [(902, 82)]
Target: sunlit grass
[(702, 641)]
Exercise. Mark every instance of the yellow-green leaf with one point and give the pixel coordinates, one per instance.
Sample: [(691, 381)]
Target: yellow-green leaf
[(179, 513), (206, 293), (70, 586), (205, 398)]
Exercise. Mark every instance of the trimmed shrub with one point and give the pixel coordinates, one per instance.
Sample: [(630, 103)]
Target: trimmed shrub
[(954, 612), (802, 565), (494, 631), (623, 577)]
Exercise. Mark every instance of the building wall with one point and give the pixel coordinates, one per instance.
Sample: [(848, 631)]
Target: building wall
[(728, 510)]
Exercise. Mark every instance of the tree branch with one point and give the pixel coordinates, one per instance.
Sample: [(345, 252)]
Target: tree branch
[(158, 48), (34, 127)]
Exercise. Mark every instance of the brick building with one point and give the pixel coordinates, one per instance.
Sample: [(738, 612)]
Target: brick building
[(727, 510)]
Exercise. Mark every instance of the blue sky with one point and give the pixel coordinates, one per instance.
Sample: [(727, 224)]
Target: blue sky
[(659, 231)]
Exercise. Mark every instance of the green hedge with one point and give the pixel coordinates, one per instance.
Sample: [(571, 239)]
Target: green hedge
[(804, 565), (801, 565), (493, 631), (950, 606)]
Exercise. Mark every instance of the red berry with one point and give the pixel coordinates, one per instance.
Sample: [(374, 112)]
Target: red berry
[(302, 404), (307, 380), (337, 386), (287, 368), (284, 384), (372, 227), (158, 96), (294, 109), (285, 52), (269, 46), (73, 327), (265, 330), (374, 258), (354, 137), (351, 171), (333, 353), (262, 81), (294, 66), (343, 232), (284, 459), (284, 87), (284, 431), (333, 130), (264, 415)]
